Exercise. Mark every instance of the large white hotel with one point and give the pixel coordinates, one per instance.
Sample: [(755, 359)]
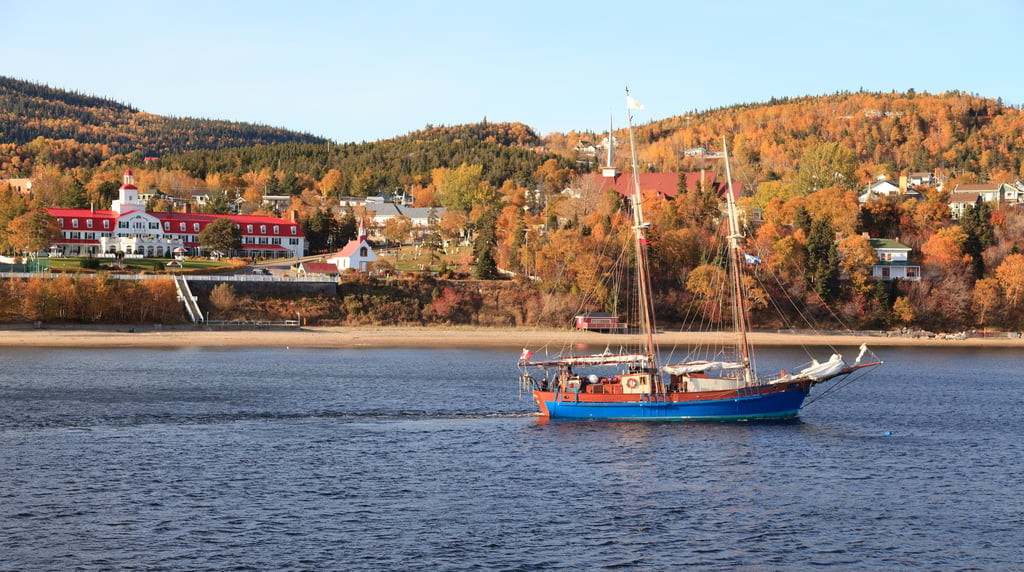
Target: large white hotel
[(129, 229)]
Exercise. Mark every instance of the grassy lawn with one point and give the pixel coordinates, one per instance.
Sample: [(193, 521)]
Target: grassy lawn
[(148, 264), (412, 259)]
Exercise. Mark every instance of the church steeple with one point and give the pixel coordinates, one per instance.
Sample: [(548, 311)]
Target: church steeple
[(609, 169)]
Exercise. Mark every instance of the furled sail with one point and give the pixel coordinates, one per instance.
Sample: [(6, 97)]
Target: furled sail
[(596, 359), (700, 366)]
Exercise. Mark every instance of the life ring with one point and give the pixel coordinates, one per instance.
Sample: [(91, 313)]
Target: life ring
[(631, 383)]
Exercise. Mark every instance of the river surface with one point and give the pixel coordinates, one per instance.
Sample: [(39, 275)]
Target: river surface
[(278, 459)]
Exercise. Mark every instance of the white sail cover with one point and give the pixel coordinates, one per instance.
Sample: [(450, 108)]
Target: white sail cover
[(595, 359), (700, 366), (818, 371)]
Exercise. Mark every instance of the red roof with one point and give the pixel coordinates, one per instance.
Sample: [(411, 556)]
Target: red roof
[(284, 227), (320, 267), (349, 249)]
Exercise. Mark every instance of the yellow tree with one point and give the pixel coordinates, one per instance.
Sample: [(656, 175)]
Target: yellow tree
[(709, 284), (985, 299), (331, 183), (1011, 276), (33, 232), (397, 229), (903, 310), (857, 259)]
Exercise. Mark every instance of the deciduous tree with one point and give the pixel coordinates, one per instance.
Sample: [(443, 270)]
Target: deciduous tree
[(222, 235), (34, 231)]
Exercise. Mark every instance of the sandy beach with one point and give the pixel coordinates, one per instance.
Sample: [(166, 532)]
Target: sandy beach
[(438, 337)]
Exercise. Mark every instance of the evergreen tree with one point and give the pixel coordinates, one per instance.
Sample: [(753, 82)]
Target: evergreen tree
[(483, 248), (75, 197), (822, 258), (217, 203), (975, 222), (432, 239), (803, 220)]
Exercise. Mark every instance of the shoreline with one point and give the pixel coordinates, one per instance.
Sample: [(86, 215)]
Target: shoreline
[(453, 337)]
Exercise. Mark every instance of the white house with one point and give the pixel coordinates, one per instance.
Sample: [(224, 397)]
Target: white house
[(958, 203), (893, 263), (880, 188)]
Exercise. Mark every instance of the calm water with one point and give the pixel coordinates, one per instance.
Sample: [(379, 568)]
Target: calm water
[(427, 460)]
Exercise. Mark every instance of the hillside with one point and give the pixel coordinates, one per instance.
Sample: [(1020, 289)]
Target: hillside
[(888, 133), (104, 128)]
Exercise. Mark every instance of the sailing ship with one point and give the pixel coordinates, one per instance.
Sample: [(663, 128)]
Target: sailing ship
[(631, 385)]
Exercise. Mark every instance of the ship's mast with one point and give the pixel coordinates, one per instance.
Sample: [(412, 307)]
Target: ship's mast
[(738, 312), (639, 226)]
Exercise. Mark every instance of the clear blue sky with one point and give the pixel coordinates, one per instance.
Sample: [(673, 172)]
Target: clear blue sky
[(368, 70)]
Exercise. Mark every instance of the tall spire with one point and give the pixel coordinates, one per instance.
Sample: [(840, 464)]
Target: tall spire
[(609, 169)]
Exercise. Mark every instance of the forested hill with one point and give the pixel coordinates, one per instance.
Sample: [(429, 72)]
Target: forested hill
[(504, 151), (887, 133), (30, 110)]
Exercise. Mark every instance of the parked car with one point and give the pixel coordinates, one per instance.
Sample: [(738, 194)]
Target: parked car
[(262, 271)]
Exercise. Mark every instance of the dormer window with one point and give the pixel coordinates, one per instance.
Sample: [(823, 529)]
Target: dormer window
[(74, 223), (88, 223), (248, 228), (277, 229), (181, 227), (294, 230)]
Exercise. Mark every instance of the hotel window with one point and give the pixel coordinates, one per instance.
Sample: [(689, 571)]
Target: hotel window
[(74, 223), (181, 227), (122, 224), (106, 224), (263, 229), (277, 229), (195, 227), (88, 223), (248, 228), (154, 226), (293, 241), (60, 222), (294, 230), (167, 226)]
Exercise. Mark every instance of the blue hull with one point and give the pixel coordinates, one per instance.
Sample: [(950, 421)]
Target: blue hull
[(776, 405)]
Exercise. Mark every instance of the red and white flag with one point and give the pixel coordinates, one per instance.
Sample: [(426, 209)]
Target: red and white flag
[(527, 354)]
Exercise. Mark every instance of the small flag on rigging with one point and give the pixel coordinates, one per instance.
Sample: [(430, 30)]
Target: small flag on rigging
[(751, 259), (527, 354)]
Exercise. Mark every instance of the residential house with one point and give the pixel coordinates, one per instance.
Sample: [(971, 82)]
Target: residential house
[(21, 186), (958, 203), (880, 188), (989, 192), (893, 263)]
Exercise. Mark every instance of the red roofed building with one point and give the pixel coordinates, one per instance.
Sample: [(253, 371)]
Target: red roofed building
[(128, 228), (357, 254)]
